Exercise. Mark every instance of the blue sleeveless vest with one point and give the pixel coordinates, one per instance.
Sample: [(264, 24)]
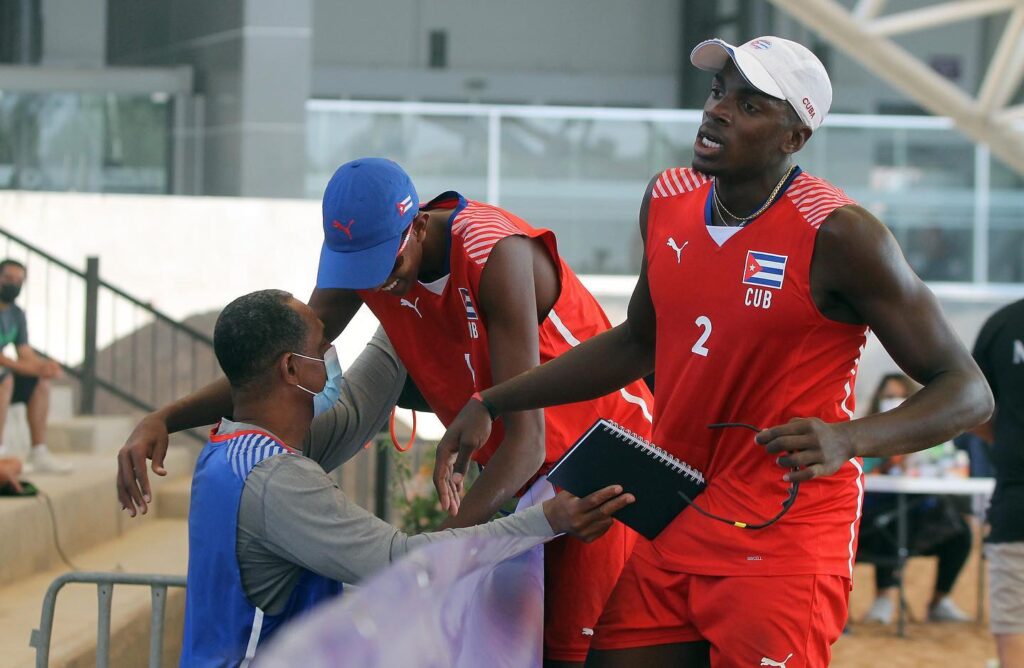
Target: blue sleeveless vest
[(222, 628)]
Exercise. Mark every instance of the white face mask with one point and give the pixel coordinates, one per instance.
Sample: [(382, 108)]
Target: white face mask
[(889, 403)]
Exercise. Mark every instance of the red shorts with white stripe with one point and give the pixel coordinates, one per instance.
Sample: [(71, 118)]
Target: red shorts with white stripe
[(789, 620), (578, 578)]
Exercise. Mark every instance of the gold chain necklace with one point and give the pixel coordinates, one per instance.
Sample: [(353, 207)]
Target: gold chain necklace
[(743, 220)]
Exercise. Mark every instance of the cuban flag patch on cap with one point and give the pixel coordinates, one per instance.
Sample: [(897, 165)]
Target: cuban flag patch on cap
[(766, 270)]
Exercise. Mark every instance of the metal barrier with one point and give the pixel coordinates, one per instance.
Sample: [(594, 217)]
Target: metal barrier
[(105, 582)]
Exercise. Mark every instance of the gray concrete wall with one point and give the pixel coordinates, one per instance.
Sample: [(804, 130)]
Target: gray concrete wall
[(74, 32), (604, 52), (251, 60)]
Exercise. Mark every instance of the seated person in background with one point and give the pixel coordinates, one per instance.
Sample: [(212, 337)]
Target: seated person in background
[(270, 534), (25, 379), (935, 527)]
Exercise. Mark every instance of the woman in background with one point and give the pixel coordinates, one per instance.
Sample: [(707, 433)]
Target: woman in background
[(935, 526)]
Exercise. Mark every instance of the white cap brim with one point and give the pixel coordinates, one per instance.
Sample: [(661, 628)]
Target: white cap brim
[(713, 54)]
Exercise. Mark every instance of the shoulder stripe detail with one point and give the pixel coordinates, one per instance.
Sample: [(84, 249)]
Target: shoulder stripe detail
[(676, 181), (249, 450), (480, 228), (816, 198)]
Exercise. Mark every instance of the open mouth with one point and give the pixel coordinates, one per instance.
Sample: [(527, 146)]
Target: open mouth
[(706, 145), (709, 143), (390, 286)]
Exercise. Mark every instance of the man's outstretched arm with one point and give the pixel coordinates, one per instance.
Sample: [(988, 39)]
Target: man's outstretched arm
[(519, 274), (149, 439), (596, 367), (867, 279)]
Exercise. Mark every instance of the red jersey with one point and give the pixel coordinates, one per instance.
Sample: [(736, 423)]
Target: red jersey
[(740, 339), (440, 333)]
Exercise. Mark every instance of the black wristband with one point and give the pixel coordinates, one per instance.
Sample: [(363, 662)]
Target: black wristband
[(491, 410)]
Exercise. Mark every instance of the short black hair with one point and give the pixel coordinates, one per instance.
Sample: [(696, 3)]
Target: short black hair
[(253, 331), (11, 262)]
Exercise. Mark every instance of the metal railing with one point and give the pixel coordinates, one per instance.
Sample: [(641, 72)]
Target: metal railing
[(106, 338), (105, 582)]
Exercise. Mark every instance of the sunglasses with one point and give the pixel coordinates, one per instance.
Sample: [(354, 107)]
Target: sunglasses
[(786, 505)]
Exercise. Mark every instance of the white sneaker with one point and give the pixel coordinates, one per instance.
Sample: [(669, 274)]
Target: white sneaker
[(881, 612), (947, 611), (43, 462)]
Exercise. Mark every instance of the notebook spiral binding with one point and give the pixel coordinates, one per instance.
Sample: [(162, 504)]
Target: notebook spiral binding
[(650, 449)]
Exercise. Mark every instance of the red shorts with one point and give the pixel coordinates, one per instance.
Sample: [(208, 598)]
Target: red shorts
[(789, 620), (578, 578)]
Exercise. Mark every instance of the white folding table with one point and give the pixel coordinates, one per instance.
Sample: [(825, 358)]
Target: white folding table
[(978, 488)]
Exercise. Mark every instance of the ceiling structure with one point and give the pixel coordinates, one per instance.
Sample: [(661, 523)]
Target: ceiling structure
[(866, 34)]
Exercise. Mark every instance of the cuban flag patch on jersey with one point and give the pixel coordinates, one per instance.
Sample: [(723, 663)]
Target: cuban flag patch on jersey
[(766, 270), (468, 303)]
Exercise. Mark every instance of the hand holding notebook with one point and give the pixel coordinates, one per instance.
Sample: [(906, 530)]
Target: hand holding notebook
[(606, 454)]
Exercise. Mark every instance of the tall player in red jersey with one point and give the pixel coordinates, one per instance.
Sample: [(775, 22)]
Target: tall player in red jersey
[(757, 288), (470, 294)]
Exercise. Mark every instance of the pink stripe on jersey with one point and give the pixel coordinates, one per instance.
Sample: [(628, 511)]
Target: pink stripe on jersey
[(677, 181), (659, 190), (816, 198), (480, 229), (477, 232)]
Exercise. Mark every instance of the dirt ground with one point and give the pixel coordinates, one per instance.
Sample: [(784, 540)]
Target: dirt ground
[(962, 645)]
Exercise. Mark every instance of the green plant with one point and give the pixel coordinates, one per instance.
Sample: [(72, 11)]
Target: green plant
[(412, 491)]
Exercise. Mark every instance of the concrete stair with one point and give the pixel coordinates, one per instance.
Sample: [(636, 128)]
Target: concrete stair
[(158, 546), (90, 433), (86, 509), (97, 536)]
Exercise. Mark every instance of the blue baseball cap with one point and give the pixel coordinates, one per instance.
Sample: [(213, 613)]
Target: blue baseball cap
[(367, 205)]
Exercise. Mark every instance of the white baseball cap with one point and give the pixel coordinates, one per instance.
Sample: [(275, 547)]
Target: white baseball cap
[(777, 67)]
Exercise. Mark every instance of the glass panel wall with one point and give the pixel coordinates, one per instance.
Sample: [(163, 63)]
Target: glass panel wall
[(917, 180), (1006, 226), (93, 142), (443, 152), (584, 179), (582, 173)]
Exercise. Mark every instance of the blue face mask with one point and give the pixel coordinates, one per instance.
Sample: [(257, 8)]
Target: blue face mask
[(325, 398)]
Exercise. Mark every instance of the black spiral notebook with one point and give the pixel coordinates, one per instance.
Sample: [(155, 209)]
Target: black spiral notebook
[(607, 454)]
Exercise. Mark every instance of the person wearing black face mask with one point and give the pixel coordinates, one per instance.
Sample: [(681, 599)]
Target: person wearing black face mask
[(25, 377)]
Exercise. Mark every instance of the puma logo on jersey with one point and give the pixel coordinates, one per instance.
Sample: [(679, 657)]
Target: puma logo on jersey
[(765, 661), (415, 306), (347, 229), (677, 249)]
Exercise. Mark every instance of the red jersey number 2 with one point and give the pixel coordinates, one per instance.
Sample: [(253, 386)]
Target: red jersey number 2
[(704, 323)]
